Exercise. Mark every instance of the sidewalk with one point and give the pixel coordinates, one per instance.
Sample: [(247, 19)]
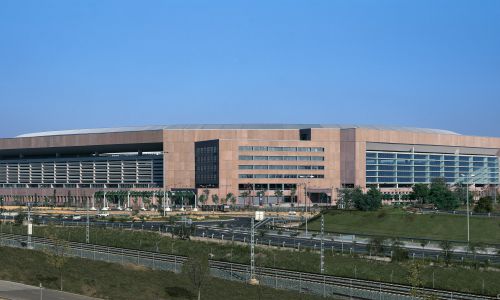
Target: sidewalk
[(18, 291)]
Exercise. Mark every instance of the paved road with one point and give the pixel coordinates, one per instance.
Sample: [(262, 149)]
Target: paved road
[(18, 291)]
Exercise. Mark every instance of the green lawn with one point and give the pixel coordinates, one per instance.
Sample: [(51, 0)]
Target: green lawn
[(398, 223), (114, 281), (455, 278)]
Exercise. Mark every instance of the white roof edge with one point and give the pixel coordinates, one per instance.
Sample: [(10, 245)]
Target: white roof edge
[(232, 127)]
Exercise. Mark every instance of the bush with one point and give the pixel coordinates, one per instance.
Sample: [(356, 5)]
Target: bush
[(18, 220), (484, 205)]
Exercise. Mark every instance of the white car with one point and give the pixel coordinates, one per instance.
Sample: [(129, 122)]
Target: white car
[(77, 218), (103, 214)]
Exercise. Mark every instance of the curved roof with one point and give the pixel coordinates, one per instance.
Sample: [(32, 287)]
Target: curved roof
[(232, 126)]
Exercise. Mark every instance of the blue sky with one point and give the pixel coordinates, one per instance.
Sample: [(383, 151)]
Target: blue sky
[(87, 64)]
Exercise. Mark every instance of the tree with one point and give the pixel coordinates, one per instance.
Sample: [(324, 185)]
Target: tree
[(196, 268), (375, 246), (447, 249), (203, 199), (415, 277), (399, 253), (20, 217), (345, 197), (57, 254), (230, 198), (278, 194), (420, 193), (441, 196), (372, 200), (245, 194), (460, 192), (206, 192), (261, 194), (484, 205), (215, 199)]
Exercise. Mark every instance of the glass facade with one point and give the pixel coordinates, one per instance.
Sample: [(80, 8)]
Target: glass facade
[(95, 170), (404, 168)]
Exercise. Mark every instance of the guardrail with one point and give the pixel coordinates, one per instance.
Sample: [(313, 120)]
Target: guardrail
[(325, 285)]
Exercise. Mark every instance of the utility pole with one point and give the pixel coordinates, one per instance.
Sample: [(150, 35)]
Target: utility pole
[(87, 229), (322, 252), (253, 280), (305, 203), (30, 227)]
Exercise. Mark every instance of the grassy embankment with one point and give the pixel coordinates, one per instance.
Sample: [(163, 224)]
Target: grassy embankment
[(398, 223), (456, 278), (114, 281)]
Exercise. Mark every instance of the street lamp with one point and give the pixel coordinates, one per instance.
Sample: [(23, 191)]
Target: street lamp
[(468, 215), (305, 197)]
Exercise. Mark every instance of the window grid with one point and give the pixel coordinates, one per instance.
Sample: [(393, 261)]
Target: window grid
[(408, 168)]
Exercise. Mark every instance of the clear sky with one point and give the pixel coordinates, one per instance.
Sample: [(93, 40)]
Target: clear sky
[(87, 64)]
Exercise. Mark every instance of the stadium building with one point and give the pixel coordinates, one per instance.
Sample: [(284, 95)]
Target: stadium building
[(307, 162)]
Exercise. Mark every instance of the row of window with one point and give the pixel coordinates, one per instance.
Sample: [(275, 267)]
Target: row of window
[(288, 149), (388, 167), (281, 176), (129, 170), (424, 180), (446, 163), (429, 168), (266, 186), (286, 158), (446, 157), (420, 174), (279, 167)]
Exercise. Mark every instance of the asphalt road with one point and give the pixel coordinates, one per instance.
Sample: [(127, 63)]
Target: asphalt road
[(18, 291)]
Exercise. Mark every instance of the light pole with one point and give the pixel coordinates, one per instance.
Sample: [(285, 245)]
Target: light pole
[(467, 196), (305, 198)]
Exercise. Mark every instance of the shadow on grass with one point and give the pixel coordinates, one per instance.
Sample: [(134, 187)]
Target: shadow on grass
[(179, 292)]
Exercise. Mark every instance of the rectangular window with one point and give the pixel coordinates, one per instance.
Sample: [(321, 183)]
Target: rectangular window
[(246, 157), (259, 148), (260, 157), (276, 167), (245, 176), (404, 168), (246, 167), (275, 158), (317, 158), (386, 168), (386, 155), (260, 167), (245, 148)]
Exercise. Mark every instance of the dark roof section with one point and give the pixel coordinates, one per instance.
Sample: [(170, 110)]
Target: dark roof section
[(232, 127)]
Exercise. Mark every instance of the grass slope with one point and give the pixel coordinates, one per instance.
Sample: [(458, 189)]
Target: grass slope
[(113, 281), (398, 223), (455, 278)]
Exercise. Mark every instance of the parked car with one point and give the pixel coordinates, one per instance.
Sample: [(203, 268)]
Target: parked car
[(77, 218)]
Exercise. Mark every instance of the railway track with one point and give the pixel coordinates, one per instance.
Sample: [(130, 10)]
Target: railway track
[(234, 268)]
